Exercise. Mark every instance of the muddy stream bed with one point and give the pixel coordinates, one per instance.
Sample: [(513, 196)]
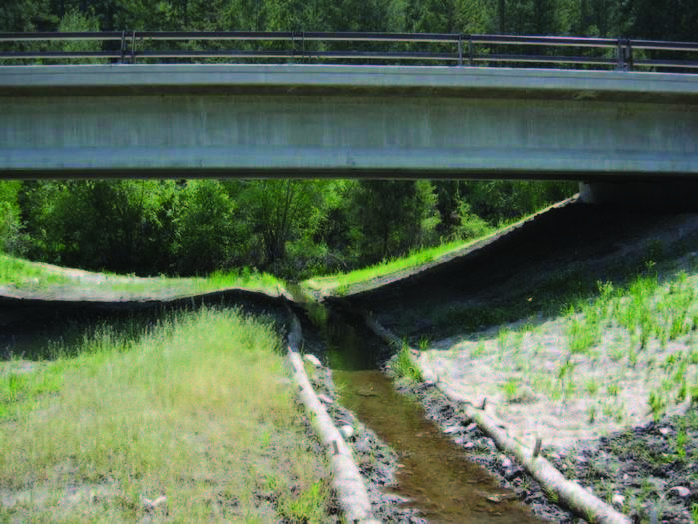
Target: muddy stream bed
[(416, 472)]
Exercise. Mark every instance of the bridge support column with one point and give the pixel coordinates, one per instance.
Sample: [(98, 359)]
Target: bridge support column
[(669, 195)]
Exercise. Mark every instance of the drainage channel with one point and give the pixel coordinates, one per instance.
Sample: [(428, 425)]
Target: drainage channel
[(434, 474)]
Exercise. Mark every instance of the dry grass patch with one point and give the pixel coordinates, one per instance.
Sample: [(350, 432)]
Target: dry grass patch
[(198, 410)]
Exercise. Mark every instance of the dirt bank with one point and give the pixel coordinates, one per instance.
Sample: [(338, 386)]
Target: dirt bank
[(489, 322)]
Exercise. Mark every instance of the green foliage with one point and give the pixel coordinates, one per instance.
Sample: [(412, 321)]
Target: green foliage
[(404, 367), (392, 217), (658, 403), (10, 226), (206, 231)]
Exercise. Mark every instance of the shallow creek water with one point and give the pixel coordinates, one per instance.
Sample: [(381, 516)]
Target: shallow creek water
[(434, 473)]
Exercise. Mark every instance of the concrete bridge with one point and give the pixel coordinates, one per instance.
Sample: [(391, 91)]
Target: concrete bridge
[(206, 120)]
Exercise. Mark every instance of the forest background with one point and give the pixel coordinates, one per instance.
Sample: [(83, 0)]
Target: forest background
[(292, 228)]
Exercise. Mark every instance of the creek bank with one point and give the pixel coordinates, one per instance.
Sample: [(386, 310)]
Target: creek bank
[(377, 462)]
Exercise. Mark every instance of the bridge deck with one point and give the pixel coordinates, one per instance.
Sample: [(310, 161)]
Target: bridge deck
[(318, 120)]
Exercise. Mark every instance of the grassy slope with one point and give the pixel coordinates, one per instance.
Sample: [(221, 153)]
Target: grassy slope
[(419, 260), (32, 278), (197, 409)]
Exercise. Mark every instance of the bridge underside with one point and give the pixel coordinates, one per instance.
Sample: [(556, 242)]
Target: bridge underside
[(340, 121)]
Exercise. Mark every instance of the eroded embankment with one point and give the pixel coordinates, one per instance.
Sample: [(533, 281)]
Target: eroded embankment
[(518, 286)]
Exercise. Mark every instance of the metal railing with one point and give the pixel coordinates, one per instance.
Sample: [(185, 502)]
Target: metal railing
[(454, 49)]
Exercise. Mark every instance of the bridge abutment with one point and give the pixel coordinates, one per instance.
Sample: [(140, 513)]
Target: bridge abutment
[(666, 195)]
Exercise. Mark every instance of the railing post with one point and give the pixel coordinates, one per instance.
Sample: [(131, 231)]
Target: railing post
[(620, 58), (133, 47), (460, 49), (628, 55), (471, 51), (123, 46)]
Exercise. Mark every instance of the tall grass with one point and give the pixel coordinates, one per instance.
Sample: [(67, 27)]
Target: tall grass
[(198, 410)]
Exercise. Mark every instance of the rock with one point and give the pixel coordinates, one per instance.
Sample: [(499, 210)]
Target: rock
[(681, 491), (664, 431), (362, 445), (325, 399), (471, 427), (453, 429), (618, 500), (469, 445), (150, 505), (506, 463), (312, 359), (346, 431)]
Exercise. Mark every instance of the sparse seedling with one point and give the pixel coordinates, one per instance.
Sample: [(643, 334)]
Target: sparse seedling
[(657, 403), (592, 387), (591, 413), (511, 389), (479, 350)]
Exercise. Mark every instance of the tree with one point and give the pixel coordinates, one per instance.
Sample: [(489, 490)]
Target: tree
[(10, 221), (392, 217), (280, 211), (206, 229), (100, 224)]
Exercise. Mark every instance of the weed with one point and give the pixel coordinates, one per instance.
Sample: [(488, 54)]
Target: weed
[(404, 367), (657, 403), (503, 339), (511, 389), (612, 390), (591, 413), (585, 331), (592, 386), (479, 350), (681, 441), (423, 343)]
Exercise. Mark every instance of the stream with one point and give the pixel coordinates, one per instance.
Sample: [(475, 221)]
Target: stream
[(433, 472)]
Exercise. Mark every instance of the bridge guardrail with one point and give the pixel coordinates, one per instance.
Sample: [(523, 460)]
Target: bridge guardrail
[(449, 48)]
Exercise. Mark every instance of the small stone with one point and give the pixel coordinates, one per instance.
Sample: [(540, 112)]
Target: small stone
[(453, 429), (469, 445), (664, 431), (346, 431), (362, 446), (150, 505), (506, 463), (312, 359), (325, 399), (471, 427), (681, 491), (554, 456), (618, 500)]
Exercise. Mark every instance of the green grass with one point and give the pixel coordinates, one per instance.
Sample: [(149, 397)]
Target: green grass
[(341, 283), (196, 408), (37, 277), (404, 367)]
